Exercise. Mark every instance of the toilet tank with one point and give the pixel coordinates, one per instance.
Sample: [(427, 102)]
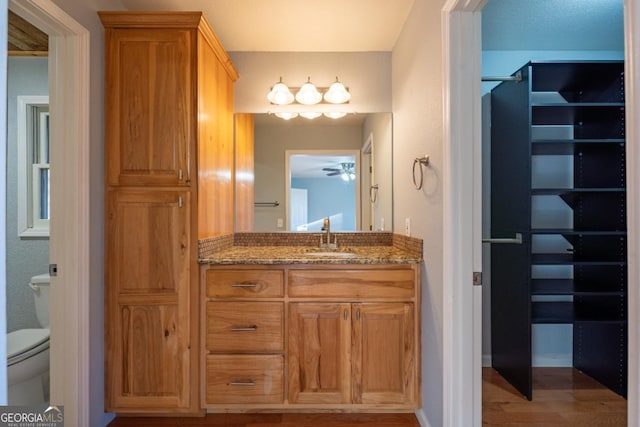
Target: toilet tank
[(40, 286)]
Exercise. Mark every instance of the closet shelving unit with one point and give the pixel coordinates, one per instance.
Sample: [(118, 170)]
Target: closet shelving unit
[(569, 113)]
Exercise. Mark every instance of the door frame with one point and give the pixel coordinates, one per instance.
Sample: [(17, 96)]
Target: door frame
[(69, 239), (461, 31)]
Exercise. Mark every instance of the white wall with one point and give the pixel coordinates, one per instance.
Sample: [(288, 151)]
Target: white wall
[(25, 257), (366, 74), (417, 130)]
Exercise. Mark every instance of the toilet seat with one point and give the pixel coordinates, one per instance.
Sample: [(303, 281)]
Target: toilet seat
[(25, 343)]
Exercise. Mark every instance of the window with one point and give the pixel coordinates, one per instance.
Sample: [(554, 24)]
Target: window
[(33, 166)]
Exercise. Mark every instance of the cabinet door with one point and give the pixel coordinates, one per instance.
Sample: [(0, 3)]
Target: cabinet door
[(147, 309), (319, 353), (383, 353), (150, 117)]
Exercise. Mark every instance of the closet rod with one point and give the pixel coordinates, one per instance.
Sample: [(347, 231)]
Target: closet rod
[(515, 78)]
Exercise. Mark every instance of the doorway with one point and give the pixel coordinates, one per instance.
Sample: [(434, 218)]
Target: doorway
[(462, 66), (69, 228), (320, 184)]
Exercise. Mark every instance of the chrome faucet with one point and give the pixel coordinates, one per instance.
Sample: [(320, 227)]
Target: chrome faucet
[(326, 227)]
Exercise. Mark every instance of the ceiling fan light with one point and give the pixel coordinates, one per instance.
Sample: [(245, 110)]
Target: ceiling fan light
[(344, 176), (280, 94), (337, 93), (310, 115), (335, 114), (308, 94), (286, 115)]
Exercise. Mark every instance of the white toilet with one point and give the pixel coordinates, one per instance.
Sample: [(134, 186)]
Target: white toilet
[(28, 353)]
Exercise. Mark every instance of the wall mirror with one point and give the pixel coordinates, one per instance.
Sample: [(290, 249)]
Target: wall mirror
[(301, 158)]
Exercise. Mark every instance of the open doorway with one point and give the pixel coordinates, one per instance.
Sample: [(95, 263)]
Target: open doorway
[(69, 231), (461, 32), (556, 316), (320, 184)]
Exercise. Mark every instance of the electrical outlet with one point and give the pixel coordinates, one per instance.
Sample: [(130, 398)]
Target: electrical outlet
[(280, 223), (407, 226)]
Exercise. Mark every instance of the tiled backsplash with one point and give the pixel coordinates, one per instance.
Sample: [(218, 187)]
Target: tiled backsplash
[(219, 243)]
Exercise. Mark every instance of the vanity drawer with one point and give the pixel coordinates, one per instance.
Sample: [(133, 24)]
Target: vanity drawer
[(245, 326), (244, 378), (244, 283), (352, 283)]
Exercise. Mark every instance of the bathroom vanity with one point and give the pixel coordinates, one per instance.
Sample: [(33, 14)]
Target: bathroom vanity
[(297, 327)]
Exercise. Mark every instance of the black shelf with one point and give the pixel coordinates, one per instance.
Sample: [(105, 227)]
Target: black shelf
[(568, 287), (564, 147), (570, 259), (567, 312), (574, 232)]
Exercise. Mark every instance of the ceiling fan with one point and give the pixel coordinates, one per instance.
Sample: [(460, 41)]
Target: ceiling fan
[(346, 171)]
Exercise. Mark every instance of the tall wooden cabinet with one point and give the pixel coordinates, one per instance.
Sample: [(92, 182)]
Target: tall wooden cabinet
[(559, 181), (168, 156)]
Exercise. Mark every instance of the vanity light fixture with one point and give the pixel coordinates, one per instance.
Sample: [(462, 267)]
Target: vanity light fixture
[(306, 98), (308, 94), (280, 94)]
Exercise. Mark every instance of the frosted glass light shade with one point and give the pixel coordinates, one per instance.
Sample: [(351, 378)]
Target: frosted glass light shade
[(337, 93), (335, 114), (280, 94), (286, 115), (310, 115), (308, 94)]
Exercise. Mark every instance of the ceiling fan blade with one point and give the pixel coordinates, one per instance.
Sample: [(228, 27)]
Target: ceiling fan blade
[(334, 173), (331, 169)]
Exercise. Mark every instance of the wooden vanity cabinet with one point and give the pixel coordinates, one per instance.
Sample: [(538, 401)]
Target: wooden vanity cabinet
[(350, 337), (169, 108)]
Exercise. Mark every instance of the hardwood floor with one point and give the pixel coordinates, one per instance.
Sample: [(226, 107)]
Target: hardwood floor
[(275, 420), (562, 397)]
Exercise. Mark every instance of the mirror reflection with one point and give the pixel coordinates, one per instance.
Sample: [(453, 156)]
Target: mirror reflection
[(300, 168), (323, 184)]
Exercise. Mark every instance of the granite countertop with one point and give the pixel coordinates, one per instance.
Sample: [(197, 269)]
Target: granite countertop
[(305, 255)]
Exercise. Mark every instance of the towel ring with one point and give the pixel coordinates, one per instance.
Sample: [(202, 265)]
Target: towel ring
[(422, 161)]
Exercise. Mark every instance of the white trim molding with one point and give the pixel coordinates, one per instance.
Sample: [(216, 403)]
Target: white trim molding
[(69, 241), (632, 112), (462, 359)]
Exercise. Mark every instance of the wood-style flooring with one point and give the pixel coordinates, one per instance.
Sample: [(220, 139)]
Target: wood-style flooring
[(562, 397), (275, 420)]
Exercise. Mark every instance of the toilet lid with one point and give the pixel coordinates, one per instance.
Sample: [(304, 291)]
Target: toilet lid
[(23, 340)]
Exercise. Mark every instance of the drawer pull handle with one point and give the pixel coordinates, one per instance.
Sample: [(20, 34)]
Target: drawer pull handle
[(244, 328), (249, 383), (244, 285)]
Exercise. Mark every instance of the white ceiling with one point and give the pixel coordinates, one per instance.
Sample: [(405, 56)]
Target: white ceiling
[(296, 25)]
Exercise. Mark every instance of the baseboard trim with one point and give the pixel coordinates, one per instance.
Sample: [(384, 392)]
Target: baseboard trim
[(422, 418), (486, 360)]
